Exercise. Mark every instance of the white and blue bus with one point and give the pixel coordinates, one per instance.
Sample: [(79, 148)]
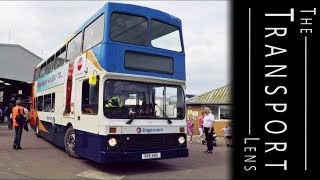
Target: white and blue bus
[(114, 91)]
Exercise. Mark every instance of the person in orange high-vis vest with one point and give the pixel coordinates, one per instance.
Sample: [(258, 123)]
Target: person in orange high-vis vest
[(18, 127)]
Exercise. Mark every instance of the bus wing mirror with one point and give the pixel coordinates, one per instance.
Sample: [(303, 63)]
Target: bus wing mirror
[(92, 79)]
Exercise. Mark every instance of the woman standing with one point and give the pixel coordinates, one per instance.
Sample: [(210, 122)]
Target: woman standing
[(208, 121), (200, 127)]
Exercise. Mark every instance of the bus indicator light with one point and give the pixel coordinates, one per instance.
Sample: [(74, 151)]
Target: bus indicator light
[(112, 130)]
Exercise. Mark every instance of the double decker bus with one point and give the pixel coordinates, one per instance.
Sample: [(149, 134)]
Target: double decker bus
[(114, 91)]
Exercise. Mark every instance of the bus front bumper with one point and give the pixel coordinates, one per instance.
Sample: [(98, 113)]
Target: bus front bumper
[(107, 157)]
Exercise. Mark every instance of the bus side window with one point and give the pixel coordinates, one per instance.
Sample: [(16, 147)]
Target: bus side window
[(36, 74), (40, 103), (43, 70), (74, 47), (60, 57), (93, 34), (47, 103), (89, 98), (50, 65), (53, 102)]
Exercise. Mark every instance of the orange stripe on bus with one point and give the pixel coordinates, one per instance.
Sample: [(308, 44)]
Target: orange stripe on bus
[(92, 58), (68, 39), (41, 126)]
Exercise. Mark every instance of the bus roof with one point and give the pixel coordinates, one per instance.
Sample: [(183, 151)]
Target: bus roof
[(140, 10)]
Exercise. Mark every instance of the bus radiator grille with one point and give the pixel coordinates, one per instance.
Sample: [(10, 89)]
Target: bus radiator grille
[(149, 142)]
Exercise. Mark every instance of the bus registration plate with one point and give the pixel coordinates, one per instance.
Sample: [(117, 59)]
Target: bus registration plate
[(151, 156)]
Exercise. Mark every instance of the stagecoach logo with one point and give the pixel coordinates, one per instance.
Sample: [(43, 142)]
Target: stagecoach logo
[(149, 130)]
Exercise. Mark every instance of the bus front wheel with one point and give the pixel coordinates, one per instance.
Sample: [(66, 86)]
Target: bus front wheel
[(70, 142)]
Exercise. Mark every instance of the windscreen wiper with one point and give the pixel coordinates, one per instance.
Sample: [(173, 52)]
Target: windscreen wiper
[(169, 120), (131, 114), (130, 120)]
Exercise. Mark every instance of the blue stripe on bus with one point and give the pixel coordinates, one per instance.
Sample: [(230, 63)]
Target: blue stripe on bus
[(89, 145), (55, 135)]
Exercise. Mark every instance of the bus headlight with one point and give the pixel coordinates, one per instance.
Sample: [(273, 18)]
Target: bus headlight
[(112, 142), (181, 139)]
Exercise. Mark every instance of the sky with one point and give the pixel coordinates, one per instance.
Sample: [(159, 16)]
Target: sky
[(42, 26)]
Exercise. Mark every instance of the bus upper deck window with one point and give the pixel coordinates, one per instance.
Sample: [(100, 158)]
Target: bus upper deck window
[(129, 29), (165, 36)]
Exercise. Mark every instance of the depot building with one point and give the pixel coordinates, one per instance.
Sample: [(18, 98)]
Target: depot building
[(17, 65), (219, 101)]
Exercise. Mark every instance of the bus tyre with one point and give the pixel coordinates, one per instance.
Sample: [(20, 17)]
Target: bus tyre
[(70, 142), (37, 129)]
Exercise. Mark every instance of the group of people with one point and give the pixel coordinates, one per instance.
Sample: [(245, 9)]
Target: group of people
[(9, 115), (206, 128)]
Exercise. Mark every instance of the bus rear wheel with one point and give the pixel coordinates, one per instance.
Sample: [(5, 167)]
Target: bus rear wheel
[(70, 142)]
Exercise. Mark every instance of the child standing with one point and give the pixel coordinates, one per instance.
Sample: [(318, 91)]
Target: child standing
[(227, 131), (190, 127)]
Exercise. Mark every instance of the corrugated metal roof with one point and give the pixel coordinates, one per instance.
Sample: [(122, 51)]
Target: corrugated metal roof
[(221, 95)]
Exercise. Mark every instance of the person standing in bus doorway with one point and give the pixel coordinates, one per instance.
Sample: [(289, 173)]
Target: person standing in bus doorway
[(18, 127), (208, 121)]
